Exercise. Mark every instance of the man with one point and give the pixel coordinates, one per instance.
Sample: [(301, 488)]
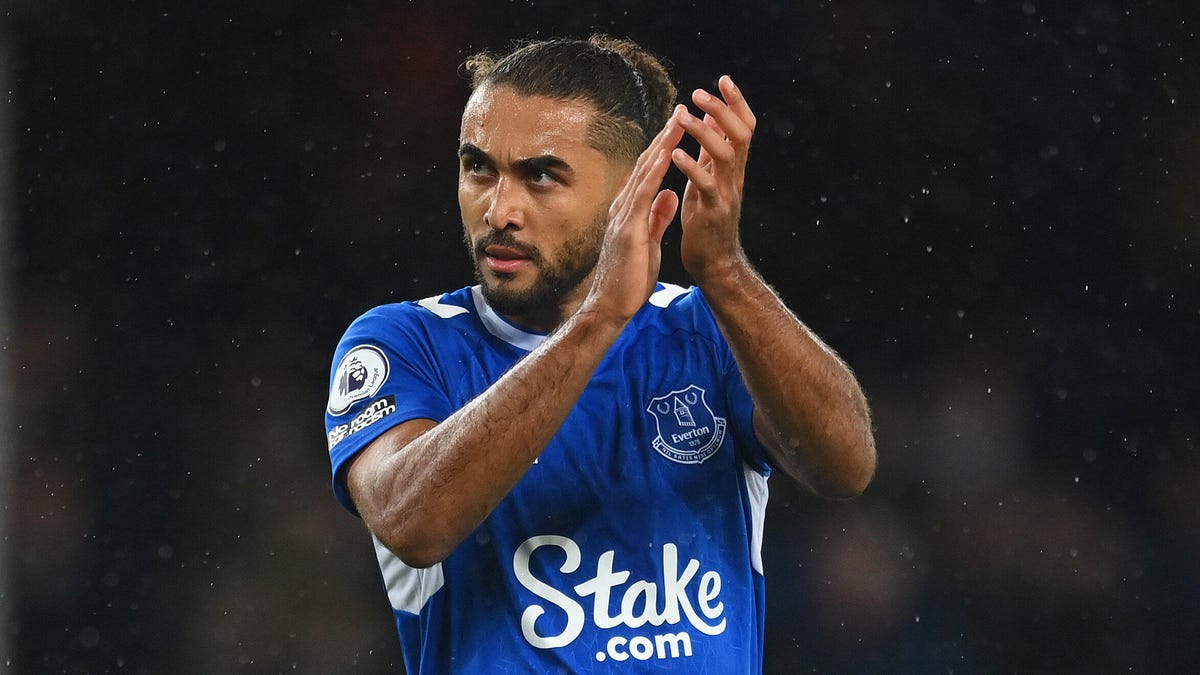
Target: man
[(564, 467)]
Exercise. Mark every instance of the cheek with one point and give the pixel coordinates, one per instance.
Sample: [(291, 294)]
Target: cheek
[(470, 203)]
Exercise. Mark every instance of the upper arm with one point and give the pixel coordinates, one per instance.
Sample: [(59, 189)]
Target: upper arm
[(367, 471), (385, 376)]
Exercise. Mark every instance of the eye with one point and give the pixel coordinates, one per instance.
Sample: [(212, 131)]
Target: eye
[(542, 178), (476, 166)]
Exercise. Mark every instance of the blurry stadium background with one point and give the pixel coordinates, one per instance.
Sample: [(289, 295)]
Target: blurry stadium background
[(989, 207)]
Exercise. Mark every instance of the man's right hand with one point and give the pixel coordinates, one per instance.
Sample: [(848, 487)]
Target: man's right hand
[(631, 257)]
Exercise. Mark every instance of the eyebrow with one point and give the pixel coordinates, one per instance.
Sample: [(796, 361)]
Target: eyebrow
[(469, 150), (528, 165)]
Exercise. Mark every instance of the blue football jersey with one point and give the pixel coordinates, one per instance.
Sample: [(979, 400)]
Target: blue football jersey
[(631, 545)]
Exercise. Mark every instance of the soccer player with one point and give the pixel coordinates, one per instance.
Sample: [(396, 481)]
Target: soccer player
[(564, 467)]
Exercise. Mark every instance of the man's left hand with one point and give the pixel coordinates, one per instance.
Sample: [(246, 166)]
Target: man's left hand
[(712, 200)]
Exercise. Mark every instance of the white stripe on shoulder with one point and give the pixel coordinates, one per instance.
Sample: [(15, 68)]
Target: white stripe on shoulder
[(408, 588), (434, 304), (664, 296), (502, 329)]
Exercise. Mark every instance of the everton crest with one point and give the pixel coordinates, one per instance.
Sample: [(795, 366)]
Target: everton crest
[(688, 431)]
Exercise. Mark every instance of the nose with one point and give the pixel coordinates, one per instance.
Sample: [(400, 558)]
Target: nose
[(507, 208)]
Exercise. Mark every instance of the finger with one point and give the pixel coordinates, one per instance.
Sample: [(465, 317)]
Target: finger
[(662, 212), (646, 168), (640, 167), (652, 178), (737, 102), (641, 186), (712, 124), (730, 123), (710, 136), (632, 201), (705, 159), (696, 172), (669, 136)]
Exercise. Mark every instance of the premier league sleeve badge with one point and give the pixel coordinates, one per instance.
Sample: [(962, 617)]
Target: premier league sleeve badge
[(360, 375)]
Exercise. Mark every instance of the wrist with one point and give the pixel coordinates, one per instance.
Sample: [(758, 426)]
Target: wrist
[(599, 318), (729, 275)]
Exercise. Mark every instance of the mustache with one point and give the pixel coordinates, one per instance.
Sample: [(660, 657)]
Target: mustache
[(506, 239)]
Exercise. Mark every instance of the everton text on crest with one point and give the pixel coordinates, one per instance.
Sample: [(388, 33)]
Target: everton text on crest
[(688, 431)]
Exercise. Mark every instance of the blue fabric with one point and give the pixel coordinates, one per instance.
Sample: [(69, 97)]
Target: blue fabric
[(629, 546)]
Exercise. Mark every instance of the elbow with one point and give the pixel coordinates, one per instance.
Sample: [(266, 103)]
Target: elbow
[(407, 531), (849, 477), (847, 486), (418, 541), (415, 549), (421, 559), (857, 466)]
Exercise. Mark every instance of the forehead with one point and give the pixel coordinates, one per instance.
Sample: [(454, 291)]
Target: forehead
[(502, 122)]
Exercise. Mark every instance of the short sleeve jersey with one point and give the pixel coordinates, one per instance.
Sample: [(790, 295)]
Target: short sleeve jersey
[(631, 545)]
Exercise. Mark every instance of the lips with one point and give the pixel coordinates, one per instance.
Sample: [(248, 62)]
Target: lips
[(505, 259)]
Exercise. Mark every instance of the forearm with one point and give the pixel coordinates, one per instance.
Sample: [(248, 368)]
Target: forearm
[(422, 496), (811, 413), (427, 486)]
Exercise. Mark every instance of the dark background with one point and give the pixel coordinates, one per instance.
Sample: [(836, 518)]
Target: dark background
[(988, 207)]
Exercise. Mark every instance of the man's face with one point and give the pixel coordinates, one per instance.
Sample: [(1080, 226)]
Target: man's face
[(534, 198)]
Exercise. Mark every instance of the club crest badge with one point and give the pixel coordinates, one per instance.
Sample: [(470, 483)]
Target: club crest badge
[(360, 374), (688, 431)]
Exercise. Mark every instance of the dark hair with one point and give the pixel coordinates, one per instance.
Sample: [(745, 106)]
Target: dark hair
[(628, 86)]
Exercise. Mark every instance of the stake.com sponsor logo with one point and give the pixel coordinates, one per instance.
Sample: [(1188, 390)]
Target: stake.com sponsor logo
[(642, 602)]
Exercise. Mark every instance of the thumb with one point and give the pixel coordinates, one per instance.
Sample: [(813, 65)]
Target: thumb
[(662, 212)]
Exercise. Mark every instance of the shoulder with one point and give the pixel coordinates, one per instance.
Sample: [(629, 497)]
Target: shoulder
[(665, 295), (675, 307), (426, 313), (412, 334)]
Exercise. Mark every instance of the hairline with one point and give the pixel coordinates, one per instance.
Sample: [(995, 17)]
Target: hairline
[(602, 124)]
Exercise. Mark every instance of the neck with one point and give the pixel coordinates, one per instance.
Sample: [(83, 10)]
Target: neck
[(548, 317)]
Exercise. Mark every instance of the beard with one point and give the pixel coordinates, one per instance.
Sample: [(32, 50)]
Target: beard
[(555, 278)]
